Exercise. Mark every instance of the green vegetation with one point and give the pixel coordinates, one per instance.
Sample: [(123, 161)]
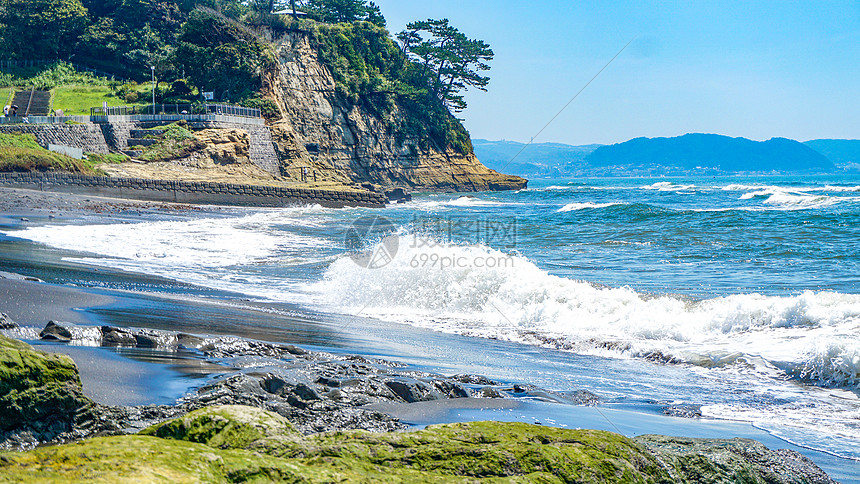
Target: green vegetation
[(41, 29), (21, 152), (60, 74), (73, 92), (452, 60), (106, 158), (370, 69), (176, 141), (227, 46), (36, 386), (267, 107), (224, 56)]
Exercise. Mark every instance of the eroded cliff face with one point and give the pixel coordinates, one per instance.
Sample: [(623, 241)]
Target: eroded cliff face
[(323, 136)]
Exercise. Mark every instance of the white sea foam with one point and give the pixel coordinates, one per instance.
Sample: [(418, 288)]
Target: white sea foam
[(781, 198), (570, 207), (470, 201), (465, 201), (831, 188), (668, 187), (199, 251), (814, 337), (208, 242)]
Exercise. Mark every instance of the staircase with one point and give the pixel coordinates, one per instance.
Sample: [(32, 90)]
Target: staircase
[(33, 103), (141, 138)]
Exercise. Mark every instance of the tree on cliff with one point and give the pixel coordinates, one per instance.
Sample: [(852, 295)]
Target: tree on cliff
[(337, 11), (451, 61)]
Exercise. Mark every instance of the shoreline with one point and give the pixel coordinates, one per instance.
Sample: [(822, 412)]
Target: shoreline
[(191, 192), (146, 302), (487, 400), (530, 406)]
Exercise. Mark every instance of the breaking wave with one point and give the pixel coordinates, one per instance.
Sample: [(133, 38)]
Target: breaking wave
[(570, 207), (478, 291)]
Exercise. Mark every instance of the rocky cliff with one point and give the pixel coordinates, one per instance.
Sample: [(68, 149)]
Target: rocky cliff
[(323, 135)]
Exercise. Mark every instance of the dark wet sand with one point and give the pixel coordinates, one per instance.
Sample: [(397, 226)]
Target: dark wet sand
[(34, 304)]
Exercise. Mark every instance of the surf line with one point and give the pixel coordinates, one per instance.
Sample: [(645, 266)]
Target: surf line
[(568, 104)]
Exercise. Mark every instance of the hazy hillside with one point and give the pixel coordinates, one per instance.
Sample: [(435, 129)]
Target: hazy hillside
[(707, 154), (845, 153), (536, 160)]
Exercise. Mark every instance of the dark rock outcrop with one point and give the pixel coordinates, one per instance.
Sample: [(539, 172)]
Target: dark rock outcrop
[(55, 331)]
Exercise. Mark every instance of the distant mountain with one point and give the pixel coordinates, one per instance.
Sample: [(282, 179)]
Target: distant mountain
[(845, 153), (706, 154), (535, 161)]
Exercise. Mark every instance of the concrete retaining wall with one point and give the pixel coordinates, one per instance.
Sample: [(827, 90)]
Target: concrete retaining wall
[(112, 133), (206, 193), (88, 137)]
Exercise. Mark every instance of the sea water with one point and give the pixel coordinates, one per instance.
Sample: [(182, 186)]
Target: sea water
[(736, 295)]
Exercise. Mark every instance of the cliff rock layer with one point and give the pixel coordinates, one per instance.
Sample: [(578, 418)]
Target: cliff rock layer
[(323, 135)]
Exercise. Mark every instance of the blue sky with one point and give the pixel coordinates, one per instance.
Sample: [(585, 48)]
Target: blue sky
[(753, 69)]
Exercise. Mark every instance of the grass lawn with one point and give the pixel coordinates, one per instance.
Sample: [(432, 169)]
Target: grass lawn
[(77, 100)]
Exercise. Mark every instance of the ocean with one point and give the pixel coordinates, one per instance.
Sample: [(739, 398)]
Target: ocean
[(736, 297)]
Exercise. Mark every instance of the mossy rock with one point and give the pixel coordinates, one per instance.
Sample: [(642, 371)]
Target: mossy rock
[(494, 450), (242, 444), (37, 387), (153, 460), (224, 427), (468, 450), (141, 459)]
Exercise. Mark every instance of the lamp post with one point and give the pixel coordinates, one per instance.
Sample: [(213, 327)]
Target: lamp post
[(153, 89)]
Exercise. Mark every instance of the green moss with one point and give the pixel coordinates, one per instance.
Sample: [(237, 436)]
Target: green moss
[(492, 450), (485, 450), (22, 367), (36, 386), (139, 459), (227, 427)]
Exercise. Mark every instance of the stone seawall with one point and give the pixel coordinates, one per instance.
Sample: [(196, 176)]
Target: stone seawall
[(261, 151), (102, 137), (206, 193), (87, 137)]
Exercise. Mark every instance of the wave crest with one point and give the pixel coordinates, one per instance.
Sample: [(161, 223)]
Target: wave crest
[(452, 288)]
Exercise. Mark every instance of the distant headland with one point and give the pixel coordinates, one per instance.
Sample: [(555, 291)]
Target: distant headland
[(690, 154)]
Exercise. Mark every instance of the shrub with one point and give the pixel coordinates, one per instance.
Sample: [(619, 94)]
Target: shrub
[(62, 74), (122, 90), (180, 88), (131, 97), (267, 107)]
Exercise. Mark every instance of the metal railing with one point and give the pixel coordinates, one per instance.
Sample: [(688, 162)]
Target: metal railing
[(190, 109)]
